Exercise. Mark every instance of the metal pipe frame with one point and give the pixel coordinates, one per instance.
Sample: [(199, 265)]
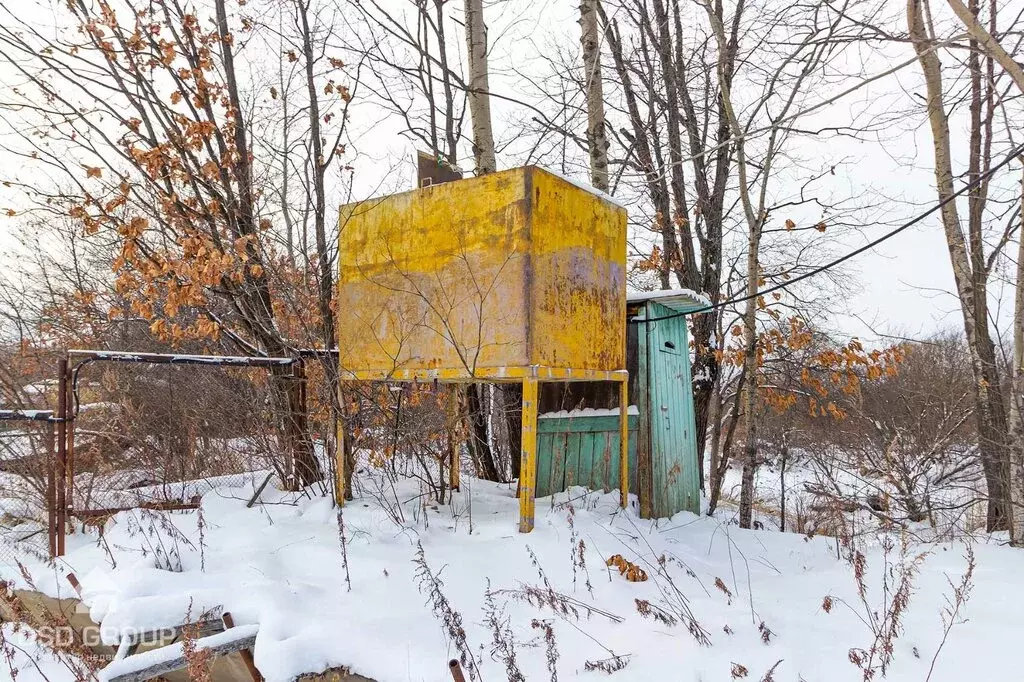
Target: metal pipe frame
[(62, 469)]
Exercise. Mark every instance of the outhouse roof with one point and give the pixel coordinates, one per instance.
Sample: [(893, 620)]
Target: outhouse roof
[(679, 300)]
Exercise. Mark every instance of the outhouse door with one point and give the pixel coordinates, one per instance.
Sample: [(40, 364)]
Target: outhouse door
[(673, 450)]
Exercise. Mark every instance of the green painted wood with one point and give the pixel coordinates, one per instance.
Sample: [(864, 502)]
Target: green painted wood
[(584, 452), (675, 484), (581, 424), (601, 473), (663, 450), (572, 458), (545, 443), (557, 483), (585, 460), (643, 401), (691, 473)]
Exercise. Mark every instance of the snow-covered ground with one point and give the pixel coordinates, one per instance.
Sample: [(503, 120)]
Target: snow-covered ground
[(280, 566), (34, 663)]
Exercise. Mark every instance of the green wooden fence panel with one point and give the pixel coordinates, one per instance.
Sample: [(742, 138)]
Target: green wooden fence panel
[(583, 451)]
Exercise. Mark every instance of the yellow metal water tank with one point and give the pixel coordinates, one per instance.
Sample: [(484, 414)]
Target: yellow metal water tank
[(472, 278)]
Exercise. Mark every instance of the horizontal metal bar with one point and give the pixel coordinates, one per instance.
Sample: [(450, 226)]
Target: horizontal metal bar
[(180, 359), (488, 374), (26, 415), (315, 352)]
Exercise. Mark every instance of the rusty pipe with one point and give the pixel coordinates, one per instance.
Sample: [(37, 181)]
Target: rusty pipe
[(456, 670)]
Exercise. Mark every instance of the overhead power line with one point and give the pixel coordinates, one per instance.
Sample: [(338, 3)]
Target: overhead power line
[(1015, 153)]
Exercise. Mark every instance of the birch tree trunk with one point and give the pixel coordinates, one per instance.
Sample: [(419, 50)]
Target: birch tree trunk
[(755, 223), (1017, 396), (750, 458), (991, 46), (483, 155), (597, 140), (479, 91), (991, 414)]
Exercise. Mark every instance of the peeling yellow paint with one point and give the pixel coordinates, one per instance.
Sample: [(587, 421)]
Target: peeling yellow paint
[(514, 269)]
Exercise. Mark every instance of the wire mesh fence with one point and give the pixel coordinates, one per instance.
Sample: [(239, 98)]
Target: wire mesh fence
[(160, 431), (26, 484)]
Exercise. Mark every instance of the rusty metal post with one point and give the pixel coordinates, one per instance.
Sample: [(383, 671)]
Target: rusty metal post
[(70, 454), (245, 654), (51, 483), (339, 451), (62, 451), (452, 418), (298, 419), (456, 670)]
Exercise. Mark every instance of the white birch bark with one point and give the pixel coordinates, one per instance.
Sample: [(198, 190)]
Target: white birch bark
[(597, 140), (479, 90), (1016, 428)]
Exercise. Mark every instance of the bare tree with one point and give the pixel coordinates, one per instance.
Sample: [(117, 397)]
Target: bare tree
[(150, 128), (786, 84), (971, 266), (983, 39)]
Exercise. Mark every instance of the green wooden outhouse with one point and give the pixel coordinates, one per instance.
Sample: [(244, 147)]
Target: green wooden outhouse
[(578, 428)]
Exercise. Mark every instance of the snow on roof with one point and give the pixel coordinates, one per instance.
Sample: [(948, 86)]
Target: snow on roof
[(584, 186), (677, 299)]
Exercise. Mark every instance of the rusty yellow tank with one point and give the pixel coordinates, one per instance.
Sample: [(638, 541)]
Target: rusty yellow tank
[(480, 277)]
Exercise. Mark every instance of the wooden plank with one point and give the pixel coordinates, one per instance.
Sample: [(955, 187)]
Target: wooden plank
[(585, 459), (584, 423), (157, 662), (572, 460), (203, 628), (545, 450), (578, 450), (691, 488), (605, 461), (634, 483), (643, 401), (558, 455), (659, 414), (152, 506), (498, 375), (77, 586)]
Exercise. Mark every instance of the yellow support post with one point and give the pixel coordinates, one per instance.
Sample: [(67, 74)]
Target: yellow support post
[(624, 443), (528, 462)]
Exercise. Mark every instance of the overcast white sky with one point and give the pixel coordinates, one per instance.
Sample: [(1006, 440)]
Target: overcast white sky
[(901, 284)]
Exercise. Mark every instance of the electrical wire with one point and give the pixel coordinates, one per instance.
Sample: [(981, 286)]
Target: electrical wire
[(1015, 153)]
